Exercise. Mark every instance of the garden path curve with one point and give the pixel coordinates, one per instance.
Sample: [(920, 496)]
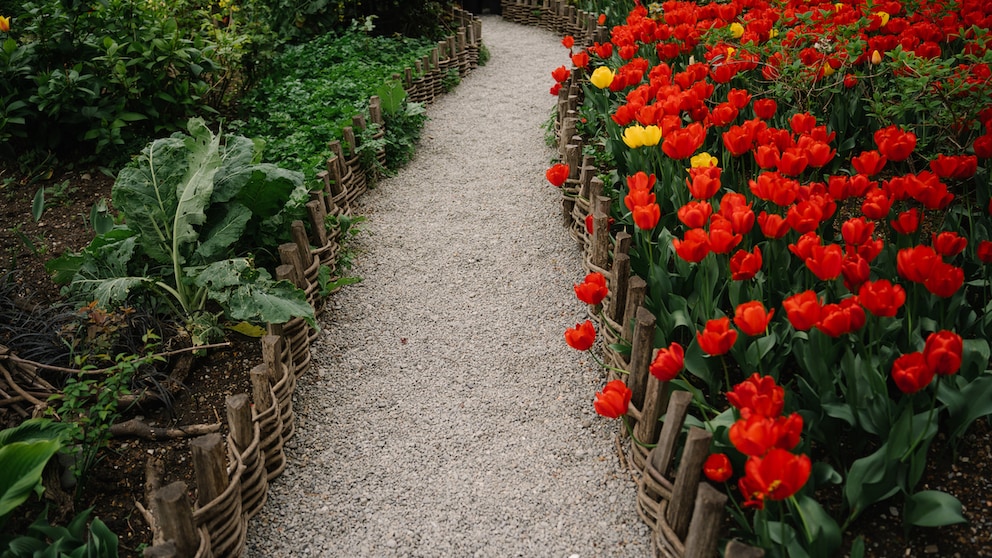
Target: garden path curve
[(445, 415)]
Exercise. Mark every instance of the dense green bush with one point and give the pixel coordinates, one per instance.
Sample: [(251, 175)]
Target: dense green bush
[(301, 18), (314, 90), (78, 78)]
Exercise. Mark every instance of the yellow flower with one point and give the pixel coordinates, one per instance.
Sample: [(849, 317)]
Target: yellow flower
[(702, 159), (884, 16), (773, 33), (633, 136), (736, 30), (4, 24), (652, 135), (838, 6), (876, 57), (828, 70), (601, 77)]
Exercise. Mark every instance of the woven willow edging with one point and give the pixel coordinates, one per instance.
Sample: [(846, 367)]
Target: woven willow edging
[(685, 514), (232, 476)]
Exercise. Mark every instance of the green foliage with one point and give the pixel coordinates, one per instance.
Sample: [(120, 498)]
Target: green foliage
[(88, 403), (299, 19), (296, 110), (72, 541), (78, 78), (24, 451), (190, 203)]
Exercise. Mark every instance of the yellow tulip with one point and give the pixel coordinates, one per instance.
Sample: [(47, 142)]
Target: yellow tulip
[(828, 70), (652, 135), (601, 77), (876, 57), (773, 33), (736, 30), (633, 136), (4, 24), (884, 16), (702, 159), (838, 6)]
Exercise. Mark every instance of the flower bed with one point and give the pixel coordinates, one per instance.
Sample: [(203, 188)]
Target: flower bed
[(810, 233)]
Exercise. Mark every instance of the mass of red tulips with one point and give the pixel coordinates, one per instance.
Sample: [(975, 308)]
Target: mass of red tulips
[(857, 136)]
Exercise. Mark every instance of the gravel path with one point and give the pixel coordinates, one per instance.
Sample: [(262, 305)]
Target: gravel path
[(445, 416)]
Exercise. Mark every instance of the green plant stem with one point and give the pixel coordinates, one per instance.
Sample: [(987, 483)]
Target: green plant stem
[(630, 432), (926, 427), (606, 366), (794, 506)]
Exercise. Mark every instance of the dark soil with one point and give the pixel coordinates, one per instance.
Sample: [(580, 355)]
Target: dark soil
[(117, 483)]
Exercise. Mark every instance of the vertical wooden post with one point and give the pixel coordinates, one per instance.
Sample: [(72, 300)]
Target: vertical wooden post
[(272, 349), (298, 231), (586, 174), (640, 355), (288, 272), (655, 403), (209, 467), (704, 530), (621, 275), (174, 517), (623, 242), (661, 455), (572, 156), (565, 134), (737, 549), (261, 388), (636, 289), (318, 214), (697, 447), (348, 133), (595, 188), (375, 110), (242, 430), (600, 239), (567, 205)]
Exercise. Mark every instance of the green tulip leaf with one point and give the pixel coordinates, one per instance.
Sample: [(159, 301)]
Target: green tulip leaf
[(933, 508)]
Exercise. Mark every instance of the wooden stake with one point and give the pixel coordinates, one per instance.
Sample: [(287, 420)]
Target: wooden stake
[(175, 518), (261, 388), (298, 231), (655, 402), (661, 455), (642, 346), (704, 530), (697, 448), (242, 430), (621, 275), (210, 467), (636, 289)]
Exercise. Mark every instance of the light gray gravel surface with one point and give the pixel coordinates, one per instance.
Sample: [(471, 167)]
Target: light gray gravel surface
[(444, 414)]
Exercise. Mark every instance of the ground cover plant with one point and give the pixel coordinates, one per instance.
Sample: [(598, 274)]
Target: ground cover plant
[(195, 208), (808, 189)]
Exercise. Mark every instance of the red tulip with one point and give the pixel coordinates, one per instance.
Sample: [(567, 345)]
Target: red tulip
[(646, 217), (764, 108), (695, 214), (581, 337), (942, 352), (944, 279), (668, 362), (560, 74), (568, 41), (825, 261), (694, 247), (772, 226), (911, 373), (840, 319), (957, 167), (948, 244), (857, 231), (803, 310), (984, 251), (906, 222), (744, 265), (802, 123), (703, 182), (869, 163), (855, 270), (723, 239), (757, 395), (877, 204), (557, 174), (682, 143), (894, 143), (752, 318), (792, 162), (614, 400), (717, 337), (593, 290), (717, 467), (916, 263), (580, 59), (776, 476), (881, 297)]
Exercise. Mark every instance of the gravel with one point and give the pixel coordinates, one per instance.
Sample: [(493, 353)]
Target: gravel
[(444, 414)]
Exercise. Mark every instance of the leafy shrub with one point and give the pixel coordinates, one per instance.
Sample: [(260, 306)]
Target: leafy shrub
[(83, 78), (317, 89), (194, 207), (304, 18)]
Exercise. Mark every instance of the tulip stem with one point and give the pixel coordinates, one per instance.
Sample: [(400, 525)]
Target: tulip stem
[(794, 505), (630, 432), (606, 366), (926, 427)]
